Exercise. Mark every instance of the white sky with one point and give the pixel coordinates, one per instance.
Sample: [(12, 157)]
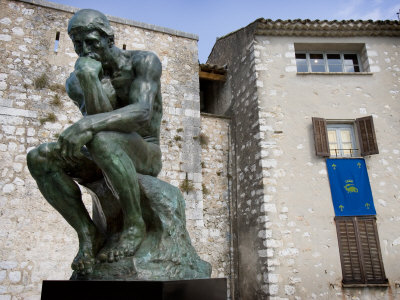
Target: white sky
[(210, 19)]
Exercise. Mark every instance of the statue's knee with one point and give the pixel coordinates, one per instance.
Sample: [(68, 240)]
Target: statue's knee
[(37, 159), (32, 158)]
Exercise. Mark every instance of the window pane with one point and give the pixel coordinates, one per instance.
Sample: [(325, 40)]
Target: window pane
[(334, 63), (333, 146), (350, 59), (347, 149), (301, 62), (335, 68), (317, 62), (332, 136), (351, 63), (334, 59), (352, 69), (345, 136)]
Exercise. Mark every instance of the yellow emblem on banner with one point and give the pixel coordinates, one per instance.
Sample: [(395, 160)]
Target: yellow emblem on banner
[(349, 187)]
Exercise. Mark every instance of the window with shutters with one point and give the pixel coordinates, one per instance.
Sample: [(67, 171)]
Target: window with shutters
[(360, 252), (344, 138)]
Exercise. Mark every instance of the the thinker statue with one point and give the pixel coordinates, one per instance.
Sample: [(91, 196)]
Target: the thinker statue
[(107, 151)]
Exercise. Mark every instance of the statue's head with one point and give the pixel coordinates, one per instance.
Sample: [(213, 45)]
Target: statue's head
[(88, 20), (90, 26)]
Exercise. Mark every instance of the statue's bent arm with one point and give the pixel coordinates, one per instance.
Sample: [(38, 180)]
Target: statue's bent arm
[(135, 117)]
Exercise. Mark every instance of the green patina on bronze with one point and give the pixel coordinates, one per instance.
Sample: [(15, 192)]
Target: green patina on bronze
[(138, 228)]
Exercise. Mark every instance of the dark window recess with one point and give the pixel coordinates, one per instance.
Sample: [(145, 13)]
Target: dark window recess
[(360, 252), (365, 134), (57, 41), (209, 92), (124, 46), (212, 80)]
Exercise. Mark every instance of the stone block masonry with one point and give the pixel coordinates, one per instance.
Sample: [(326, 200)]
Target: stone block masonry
[(250, 254), (37, 243), (216, 197)]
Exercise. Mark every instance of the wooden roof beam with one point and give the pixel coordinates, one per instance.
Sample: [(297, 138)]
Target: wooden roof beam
[(212, 76)]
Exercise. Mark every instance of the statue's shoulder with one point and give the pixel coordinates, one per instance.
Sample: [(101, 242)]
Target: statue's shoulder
[(146, 62)]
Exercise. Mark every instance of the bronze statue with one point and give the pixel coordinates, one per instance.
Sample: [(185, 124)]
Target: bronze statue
[(110, 151)]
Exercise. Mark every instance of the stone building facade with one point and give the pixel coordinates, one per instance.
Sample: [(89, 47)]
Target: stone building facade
[(36, 57), (284, 234)]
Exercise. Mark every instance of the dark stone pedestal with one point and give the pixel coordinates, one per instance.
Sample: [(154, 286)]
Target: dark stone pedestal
[(196, 289)]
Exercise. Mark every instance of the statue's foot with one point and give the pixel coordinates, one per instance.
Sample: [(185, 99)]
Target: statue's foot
[(126, 245), (85, 259)]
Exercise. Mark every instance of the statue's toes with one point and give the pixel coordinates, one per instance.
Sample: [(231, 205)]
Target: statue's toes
[(102, 257), (118, 255), (130, 252), (110, 257), (88, 268)]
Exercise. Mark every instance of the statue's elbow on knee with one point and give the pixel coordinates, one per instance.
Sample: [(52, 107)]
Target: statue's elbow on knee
[(32, 159), (36, 160)]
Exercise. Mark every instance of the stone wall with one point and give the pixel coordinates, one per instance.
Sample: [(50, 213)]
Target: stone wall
[(248, 210), (215, 169), (303, 254), (36, 242)]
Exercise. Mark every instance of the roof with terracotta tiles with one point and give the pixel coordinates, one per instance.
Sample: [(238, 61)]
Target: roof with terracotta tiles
[(325, 28)]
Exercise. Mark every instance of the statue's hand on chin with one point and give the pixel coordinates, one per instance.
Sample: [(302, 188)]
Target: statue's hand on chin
[(87, 66)]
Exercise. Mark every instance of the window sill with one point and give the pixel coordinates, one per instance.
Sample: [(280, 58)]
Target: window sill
[(335, 73), (361, 285), (344, 157)]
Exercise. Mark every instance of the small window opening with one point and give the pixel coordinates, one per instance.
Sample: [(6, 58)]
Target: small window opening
[(209, 95), (124, 46), (212, 83), (57, 41)]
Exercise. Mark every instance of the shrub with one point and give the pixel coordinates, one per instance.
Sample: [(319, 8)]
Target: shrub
[(51, 117), (41, 82), (187, 186), (56, 100), (205, 190), (177, 138)]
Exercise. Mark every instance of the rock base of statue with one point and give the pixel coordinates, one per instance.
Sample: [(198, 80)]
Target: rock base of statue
[(166, 252), (198, 289)]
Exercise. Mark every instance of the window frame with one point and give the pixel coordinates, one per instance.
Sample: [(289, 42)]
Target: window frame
[(360, 252), (332, 124), (326, 65)]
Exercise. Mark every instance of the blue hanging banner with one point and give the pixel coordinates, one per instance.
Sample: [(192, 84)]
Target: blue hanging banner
[(350, 187)]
